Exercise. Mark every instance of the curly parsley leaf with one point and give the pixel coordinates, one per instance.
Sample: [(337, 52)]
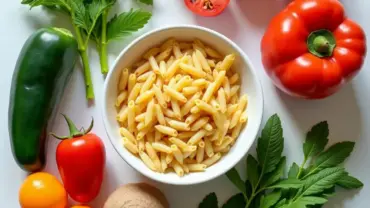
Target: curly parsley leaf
[(210, 201), (126, 23)]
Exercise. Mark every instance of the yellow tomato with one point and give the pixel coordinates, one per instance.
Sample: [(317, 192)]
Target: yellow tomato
[(42, 190)]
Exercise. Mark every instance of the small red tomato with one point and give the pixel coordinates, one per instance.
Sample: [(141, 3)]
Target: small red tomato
[(207, 8), (81, 160)]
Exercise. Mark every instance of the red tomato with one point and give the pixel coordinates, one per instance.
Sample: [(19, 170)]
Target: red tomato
[(81, 160), (207, 8)]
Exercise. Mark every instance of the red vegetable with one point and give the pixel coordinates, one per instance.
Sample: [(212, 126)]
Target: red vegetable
[(311, 48), (207, 8), (81, 160)]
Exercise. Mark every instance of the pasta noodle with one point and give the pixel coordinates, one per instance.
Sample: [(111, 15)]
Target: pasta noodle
[(178, 110)]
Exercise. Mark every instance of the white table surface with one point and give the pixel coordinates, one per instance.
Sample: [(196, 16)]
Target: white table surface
[(244, 22)]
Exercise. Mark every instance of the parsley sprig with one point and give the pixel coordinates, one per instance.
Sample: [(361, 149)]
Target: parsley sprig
[(309, 185), (89, 19)]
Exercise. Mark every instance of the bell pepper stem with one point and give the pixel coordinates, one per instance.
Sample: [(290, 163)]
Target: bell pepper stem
[(321, 44)]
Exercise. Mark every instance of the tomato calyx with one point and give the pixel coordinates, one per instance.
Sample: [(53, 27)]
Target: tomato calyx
[(321, 43), (73, 131), (208, 5)]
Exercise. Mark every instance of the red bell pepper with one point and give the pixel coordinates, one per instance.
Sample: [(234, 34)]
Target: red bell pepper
[(311, 48), (81, 160)]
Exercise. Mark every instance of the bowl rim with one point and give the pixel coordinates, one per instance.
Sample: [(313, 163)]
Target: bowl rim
[(247, 61)]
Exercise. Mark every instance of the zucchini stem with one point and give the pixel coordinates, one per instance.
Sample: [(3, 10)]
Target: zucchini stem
[(103, 44)]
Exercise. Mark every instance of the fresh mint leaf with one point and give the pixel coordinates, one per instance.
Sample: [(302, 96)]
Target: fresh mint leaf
[(307, 200), (290, 183), (148, 2), (293, 171), (312, 200), (275, 175), (234, 177), (322, 180), (316, 140), (126, 23), (270, 199), (210, 201), (328, 192), (270, 145), (332, 157), (349, 182), (253, 171), (248, 188), (235, 201)]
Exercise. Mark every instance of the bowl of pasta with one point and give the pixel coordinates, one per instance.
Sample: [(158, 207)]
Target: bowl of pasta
[(182, 104)]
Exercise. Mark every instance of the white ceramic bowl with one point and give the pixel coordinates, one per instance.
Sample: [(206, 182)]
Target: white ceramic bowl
[(250, 85)]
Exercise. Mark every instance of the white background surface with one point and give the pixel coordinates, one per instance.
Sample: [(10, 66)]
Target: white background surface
[(244, 22)]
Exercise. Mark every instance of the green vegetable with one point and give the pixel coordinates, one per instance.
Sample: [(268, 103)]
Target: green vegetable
[(84, 18), (43, 69), (118, 27), (309, 185), (90, 22), (148, 2)]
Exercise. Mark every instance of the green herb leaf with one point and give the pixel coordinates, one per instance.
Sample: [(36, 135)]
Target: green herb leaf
[(126, 23), (290, 183), (80, 15), (235, 201), (248, 188), (275, 175), (270, 145), (293, 171), (148, 2), (210, 201), (328, 192), (253, 171), (349, 182), (234, 177), (312, 200), (316, 139), (270, 199), (332, 157), (322, 180), (280, 203)]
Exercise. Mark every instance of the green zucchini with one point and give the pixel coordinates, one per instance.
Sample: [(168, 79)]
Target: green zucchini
[(42, 71)]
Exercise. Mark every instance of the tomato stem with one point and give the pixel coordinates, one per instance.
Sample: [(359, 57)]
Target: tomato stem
[(73, 131)]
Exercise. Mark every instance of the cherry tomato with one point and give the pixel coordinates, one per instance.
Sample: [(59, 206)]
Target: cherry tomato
[(42, 190), (207, 8), (80, 206)]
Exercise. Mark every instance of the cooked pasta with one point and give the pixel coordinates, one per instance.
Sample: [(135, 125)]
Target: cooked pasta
[(179, 107)]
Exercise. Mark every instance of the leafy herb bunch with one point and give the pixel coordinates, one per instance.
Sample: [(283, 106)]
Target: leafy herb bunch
[(90, 22), (308, 185)]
